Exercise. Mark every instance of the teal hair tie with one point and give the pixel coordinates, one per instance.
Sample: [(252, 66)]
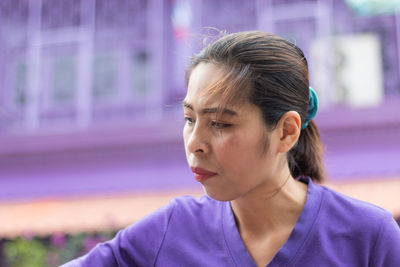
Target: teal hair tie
[(312, 108)]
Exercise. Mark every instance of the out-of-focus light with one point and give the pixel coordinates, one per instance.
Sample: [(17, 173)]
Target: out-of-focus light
[(181, 19), (374, 7)]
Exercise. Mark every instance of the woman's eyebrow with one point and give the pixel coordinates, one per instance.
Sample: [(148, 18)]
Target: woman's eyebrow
[(187, 105), (209, 110), (215, 110)]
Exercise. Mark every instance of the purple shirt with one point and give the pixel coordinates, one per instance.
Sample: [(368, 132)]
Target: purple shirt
[(332, 230)]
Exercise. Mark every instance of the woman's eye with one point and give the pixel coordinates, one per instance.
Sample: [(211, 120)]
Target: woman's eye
[(189, 120), (219, 125)]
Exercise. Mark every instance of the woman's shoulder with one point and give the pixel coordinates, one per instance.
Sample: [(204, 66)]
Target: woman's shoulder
[(367, 227), (350, 215), (345, 206), (336, 207), (140, 243)]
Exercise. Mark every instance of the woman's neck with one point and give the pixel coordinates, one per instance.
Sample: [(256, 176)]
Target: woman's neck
[(266, 210)]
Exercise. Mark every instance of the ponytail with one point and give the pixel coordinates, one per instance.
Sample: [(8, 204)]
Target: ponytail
[(305, 158)]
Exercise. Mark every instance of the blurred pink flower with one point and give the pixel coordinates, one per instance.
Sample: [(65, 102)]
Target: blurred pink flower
[(90, 242), (58, 239)]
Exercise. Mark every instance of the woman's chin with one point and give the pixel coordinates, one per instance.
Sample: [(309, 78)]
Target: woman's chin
[(220, 196)]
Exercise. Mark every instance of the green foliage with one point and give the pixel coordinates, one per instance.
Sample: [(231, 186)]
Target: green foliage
[(72, 249), (21, 253), (49, 251)]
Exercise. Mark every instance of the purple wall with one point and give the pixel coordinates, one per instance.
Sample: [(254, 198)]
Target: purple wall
[(105, 116)]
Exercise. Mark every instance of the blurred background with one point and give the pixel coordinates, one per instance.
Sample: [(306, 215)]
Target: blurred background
[(90, 115)]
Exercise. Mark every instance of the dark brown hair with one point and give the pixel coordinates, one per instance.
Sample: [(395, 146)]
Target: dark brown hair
[(271, 73)]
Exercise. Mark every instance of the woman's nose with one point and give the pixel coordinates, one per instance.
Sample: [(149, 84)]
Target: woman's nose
[(197, 142)]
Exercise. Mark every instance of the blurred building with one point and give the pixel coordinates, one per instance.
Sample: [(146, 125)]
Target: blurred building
[(90, 90)]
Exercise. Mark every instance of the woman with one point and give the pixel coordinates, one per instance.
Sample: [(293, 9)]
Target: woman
[(251, 142)]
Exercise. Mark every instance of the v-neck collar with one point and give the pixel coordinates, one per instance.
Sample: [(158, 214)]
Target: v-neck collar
[(291, 247)]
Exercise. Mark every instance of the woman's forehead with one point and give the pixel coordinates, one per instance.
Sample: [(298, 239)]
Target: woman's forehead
[(214, 86), (204, 76)]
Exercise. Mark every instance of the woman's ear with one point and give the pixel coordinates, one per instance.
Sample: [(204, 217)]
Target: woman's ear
[(289, 128)]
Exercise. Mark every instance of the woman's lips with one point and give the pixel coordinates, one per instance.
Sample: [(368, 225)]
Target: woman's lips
[(201, 174)]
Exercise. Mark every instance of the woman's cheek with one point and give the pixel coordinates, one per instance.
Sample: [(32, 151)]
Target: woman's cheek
[(229, 146)]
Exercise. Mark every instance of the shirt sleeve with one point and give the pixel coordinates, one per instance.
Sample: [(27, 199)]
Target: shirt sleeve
[(387, 248), (136, 245)]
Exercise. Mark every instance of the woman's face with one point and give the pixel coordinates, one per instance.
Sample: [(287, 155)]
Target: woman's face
[(228, 154)]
